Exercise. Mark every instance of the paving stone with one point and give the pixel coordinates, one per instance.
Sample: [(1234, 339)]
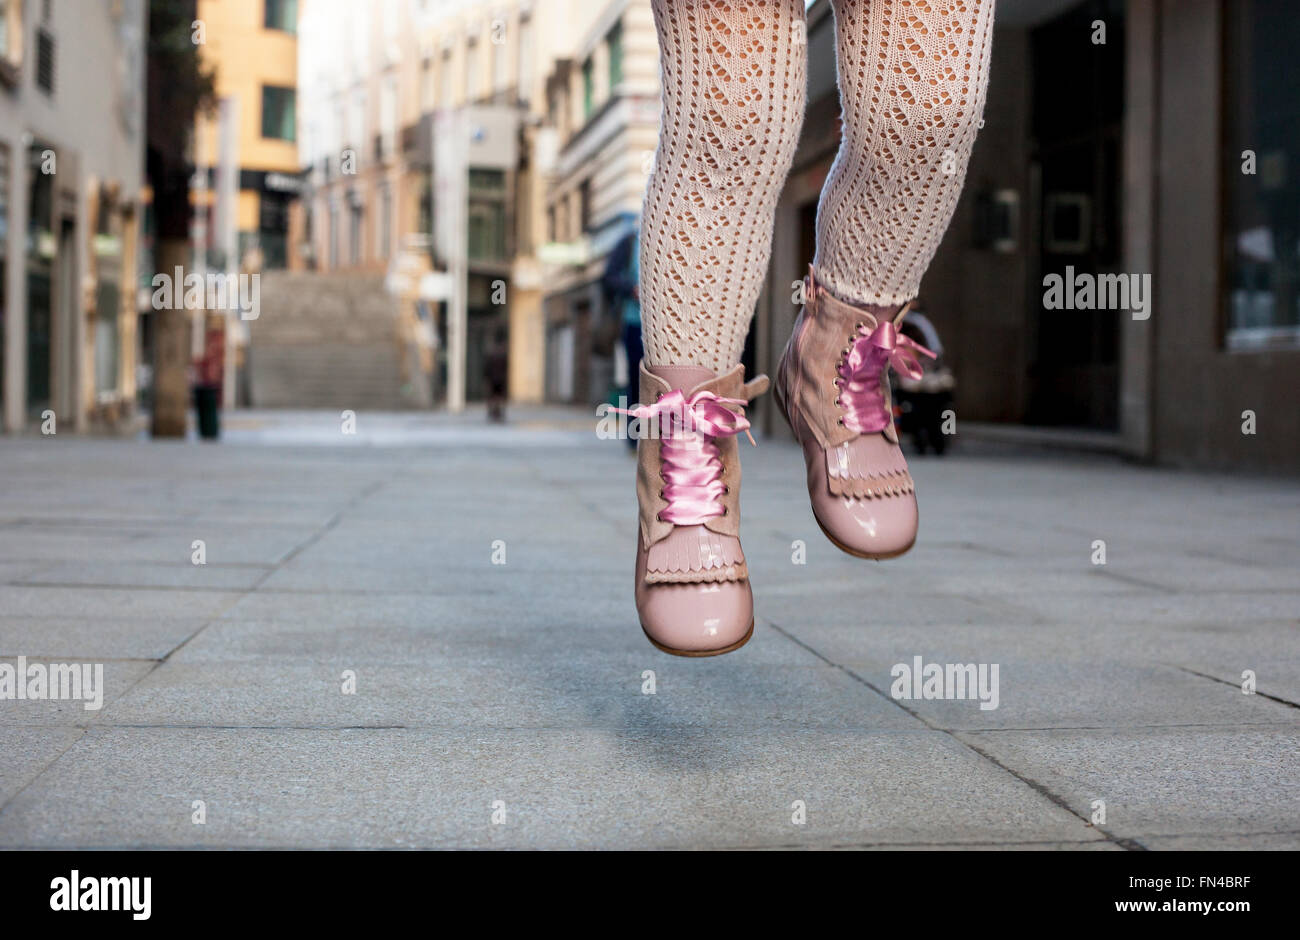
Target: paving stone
[(90, 638), (28, 751), (1165, 781), (117, 676)]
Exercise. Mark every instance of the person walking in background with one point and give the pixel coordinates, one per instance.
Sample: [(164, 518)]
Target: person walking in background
[(912, 79), (496, 375), (623, 292)]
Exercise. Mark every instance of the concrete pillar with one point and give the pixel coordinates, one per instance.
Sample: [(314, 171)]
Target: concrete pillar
[(1140, 161), (527, 344)]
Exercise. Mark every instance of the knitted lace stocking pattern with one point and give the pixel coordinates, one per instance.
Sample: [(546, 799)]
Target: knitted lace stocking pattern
[(913, 76), (733, 80)]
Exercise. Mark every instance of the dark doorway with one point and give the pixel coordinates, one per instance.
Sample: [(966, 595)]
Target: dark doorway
[(40, 272), (486, 324), (582, 351), (65, 316), (1078, 106)]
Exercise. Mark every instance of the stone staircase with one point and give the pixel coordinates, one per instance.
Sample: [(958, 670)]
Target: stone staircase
[(326, 341)]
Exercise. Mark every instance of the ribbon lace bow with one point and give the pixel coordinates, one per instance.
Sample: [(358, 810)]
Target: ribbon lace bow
[(692, 466), (871, 352)]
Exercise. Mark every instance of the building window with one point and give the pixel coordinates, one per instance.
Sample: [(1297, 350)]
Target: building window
[(281, 14), (524, 60), (307, 248), (444, 80), (278, 113), (425, 226), (499, 77), (584, 206), (614, 41), (487, 215), (426, 86), (588, 87), (354, 242), (11, 40), (333, 236), (471, 72), (45, 60), (384, 221), (388, 113), (1261, 185)]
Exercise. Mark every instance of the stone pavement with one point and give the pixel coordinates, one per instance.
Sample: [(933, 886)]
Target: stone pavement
[(518, 688)]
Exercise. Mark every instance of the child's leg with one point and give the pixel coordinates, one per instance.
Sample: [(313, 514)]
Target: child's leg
[(913, 76), (733, 97), (733, 101)]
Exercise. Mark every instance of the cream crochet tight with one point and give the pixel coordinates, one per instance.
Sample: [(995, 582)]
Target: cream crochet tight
[(912, 75)]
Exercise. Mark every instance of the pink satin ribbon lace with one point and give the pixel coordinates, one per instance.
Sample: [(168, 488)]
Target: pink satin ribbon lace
[(692, 467), (862, 397)]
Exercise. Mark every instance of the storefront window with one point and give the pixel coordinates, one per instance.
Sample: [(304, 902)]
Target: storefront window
[(1262, 175), (273, 229)]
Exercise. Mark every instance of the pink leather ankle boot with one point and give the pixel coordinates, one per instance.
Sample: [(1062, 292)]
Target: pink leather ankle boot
[(832, 385), (692, 584)]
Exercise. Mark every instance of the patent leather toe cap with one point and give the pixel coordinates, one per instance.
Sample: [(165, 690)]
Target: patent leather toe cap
[(873, 527), (694, 618)]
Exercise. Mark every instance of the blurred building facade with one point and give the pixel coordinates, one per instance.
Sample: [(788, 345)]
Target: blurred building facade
[(1140, 138), (602, 102), (245, 152), (71, 174), (1146, 139), (377, 80), (251, 47)]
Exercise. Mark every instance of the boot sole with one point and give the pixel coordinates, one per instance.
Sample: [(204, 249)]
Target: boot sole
[(869, 556), (697, 654)]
